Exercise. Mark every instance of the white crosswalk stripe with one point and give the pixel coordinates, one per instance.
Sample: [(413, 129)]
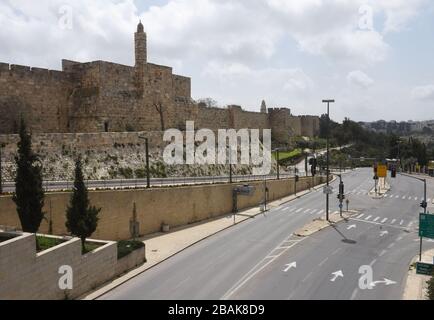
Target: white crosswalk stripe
[(397, 197), (299, 210), (321, 212), (384, 220), (401, 223), (393, 221), (368, 217), (403, 198), (360, 216), (313, 211), (307, 211), (415, 198), (376, 219), (429, 200), (292, 209)]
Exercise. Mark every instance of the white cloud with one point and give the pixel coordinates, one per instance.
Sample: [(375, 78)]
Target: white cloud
[(359, 79), (233, 50), (423, 92)]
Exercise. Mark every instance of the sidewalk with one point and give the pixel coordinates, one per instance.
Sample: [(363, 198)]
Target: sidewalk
[(162, 246), (416, 286)]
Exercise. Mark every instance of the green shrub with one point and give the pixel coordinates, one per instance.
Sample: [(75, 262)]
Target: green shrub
[(127, 247), (431, 288)]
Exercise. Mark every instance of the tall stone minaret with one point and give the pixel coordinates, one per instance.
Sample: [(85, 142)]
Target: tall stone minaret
[(263, 107), (141, 56)]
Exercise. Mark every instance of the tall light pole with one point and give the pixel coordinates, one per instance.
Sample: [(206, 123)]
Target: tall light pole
[(328, 156), (148, 174), (1, 178)]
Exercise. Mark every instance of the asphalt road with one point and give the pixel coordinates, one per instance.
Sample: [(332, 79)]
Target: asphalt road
[(255, 260)]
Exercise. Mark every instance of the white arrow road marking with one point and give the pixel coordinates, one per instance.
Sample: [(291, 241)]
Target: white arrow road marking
[(386, 281), (383, 233), (336, 275), (290, 266), (353, 226)]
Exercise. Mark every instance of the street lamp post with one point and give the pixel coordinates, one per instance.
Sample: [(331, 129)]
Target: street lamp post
[(424, 207), (148, 174), (1, 177), (328, 156)]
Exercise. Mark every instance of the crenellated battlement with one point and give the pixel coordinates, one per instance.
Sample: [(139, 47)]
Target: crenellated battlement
[(20, 71), (102, 96)]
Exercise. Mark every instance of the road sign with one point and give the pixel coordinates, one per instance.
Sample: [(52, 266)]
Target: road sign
[(426, 226), (425, 269), (382, 171), (328, 190)]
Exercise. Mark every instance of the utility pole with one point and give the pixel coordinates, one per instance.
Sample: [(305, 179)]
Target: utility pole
[(328, 156), (278, 166), (424, 205), (148, 173), (1, 176)]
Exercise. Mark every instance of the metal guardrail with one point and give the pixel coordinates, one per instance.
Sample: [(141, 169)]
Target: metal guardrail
[(9, 186)]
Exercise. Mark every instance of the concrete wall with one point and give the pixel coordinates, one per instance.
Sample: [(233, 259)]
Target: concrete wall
[(25, 274), (176, 206)]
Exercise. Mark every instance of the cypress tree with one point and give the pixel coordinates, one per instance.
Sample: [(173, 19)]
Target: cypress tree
[(81, 217), (29, 194)]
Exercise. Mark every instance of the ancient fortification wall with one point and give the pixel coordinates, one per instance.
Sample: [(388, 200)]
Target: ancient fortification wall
[(155, 206), (102, 96)]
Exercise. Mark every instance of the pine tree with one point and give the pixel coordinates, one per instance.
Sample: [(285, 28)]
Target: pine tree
[(29, 194), (81, 218)]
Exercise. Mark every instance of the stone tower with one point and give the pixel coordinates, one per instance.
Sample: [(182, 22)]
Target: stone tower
[(141, 56), (263, 107)]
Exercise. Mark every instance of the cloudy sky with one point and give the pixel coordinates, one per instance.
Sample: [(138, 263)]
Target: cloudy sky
[(376, 58)]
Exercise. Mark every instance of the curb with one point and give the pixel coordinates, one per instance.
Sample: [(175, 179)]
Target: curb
[(96, 296)]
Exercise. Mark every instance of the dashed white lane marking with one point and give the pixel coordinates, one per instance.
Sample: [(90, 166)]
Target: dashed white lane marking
[(336, 251), (401, 223), (307, 277), (353, 296), (376, 219), (324, 261), (261, 265), (384, 220), (393, 221), (382, 253), (299, 210), (368, 217), (360, 216)]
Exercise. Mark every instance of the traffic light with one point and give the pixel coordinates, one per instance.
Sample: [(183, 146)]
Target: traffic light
[(341, 188), (341, 197), (424, 204)]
